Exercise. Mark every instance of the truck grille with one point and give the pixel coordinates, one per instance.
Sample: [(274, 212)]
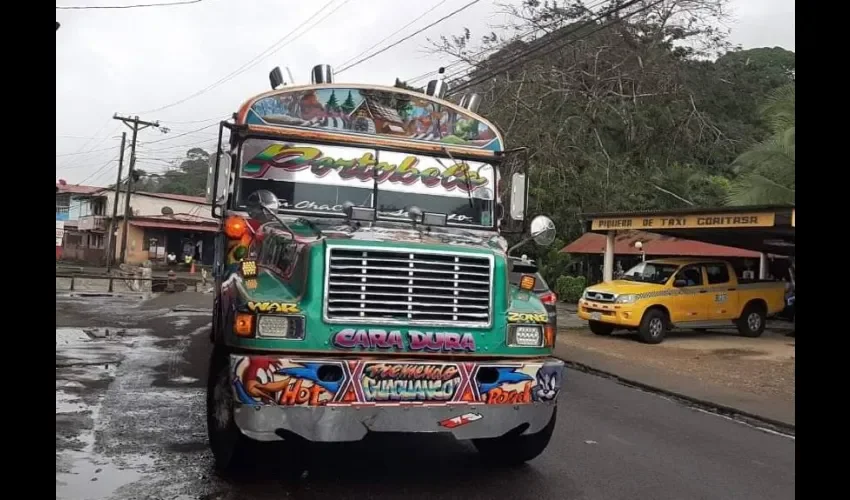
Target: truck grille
[(407, 287), (600, 296)]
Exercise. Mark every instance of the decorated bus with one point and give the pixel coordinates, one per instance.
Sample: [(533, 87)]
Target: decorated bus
[(362, 275)]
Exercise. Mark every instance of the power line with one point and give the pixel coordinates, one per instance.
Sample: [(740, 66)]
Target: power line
[(261, 56), (136, 6), (181, 135), (408, 37), (523, 56), (101, 168), (219, 118), (394, 33), (83, 152), (496, 48)]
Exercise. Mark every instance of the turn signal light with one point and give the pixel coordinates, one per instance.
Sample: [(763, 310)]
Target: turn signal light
[(249, 268), (243, 325), (527, 282), (549, 336), (235, 227)]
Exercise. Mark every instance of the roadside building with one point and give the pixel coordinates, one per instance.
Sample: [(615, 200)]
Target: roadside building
[(630, 247), (159, 223)]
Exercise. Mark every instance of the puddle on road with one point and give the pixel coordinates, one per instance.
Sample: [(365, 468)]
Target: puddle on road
[(183, 380), (83, 358), (97, 479), (69, 403)]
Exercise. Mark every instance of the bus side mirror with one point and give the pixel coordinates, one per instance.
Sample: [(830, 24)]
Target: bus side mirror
[(276, 78), (518, 193), (217, 181)]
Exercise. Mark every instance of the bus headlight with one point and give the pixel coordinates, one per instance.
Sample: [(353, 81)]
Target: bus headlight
[(525, 335), (280, 327)]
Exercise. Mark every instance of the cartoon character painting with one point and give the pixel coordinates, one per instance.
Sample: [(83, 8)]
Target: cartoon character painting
[(263, 380), (548, 383)]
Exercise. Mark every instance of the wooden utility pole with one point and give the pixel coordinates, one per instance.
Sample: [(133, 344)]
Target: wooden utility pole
[(110, 240), (135, 124)]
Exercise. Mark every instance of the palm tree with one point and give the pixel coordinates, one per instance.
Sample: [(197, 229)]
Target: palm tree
[(766, 173)]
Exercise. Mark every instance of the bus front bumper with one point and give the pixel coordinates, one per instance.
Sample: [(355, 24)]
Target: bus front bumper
[(337, 400)]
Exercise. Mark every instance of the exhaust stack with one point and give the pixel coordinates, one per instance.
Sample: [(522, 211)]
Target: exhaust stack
[(473, 102), (437, 88), (322, 73), (470, 102)]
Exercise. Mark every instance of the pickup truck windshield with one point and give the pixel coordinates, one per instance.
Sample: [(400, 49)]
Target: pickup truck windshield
[(650, 272), (318, 180)]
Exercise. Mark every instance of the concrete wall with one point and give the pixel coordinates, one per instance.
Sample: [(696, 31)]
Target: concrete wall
[(135, 235)]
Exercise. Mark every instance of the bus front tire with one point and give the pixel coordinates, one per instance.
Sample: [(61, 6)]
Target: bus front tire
[(230, 448)]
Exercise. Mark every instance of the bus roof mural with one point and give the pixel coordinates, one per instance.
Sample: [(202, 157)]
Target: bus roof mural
[(376, 111)]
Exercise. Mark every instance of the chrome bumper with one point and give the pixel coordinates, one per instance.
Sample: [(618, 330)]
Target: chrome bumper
[(352, 423), (332, 400)]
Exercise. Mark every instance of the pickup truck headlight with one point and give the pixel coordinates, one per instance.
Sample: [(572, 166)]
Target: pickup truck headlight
[(628, 298)]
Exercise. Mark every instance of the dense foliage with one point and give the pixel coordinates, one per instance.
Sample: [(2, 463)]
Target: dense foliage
[(649, 108)]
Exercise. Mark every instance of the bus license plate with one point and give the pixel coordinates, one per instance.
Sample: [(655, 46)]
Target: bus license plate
[(596, 316)]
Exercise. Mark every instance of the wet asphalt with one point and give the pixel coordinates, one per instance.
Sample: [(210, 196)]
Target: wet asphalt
[(130, 424)]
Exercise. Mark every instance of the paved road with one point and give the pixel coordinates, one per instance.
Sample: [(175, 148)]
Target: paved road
[(130, 425)]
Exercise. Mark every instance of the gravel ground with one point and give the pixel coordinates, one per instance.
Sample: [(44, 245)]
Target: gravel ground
[(764, 366)]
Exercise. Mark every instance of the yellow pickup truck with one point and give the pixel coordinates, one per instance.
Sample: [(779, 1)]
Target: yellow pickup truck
[(657, 295)]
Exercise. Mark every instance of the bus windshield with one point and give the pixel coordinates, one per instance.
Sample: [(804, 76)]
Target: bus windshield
[(318, 180)]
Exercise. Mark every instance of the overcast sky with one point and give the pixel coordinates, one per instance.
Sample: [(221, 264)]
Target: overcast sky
[(136, 61)]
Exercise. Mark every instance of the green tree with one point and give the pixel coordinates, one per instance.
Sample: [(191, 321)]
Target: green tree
[(348, 105), (187, 176), (766, 171), (333, 104)]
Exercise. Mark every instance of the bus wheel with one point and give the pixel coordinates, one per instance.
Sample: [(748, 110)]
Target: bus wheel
[(228, 444), (515, 449)]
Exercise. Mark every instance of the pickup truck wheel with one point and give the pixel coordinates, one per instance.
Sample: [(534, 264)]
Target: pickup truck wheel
[(229, 446), (600, 328), (653, 327), (752, 322), (513, 449)]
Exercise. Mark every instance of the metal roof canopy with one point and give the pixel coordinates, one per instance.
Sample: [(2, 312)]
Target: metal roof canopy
[(763, 228)]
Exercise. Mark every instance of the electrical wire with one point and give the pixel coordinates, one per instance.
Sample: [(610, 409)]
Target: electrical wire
[(83, 152), (408, 37), (523, 56), (136, 6), (181, 135), (258, 58), (394, 33), (495, 49), (101, 168)]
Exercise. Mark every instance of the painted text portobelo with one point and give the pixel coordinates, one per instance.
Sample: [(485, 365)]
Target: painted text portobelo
[(365, 168)]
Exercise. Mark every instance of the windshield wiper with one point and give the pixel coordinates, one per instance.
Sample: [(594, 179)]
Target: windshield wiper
[(466, 172)]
